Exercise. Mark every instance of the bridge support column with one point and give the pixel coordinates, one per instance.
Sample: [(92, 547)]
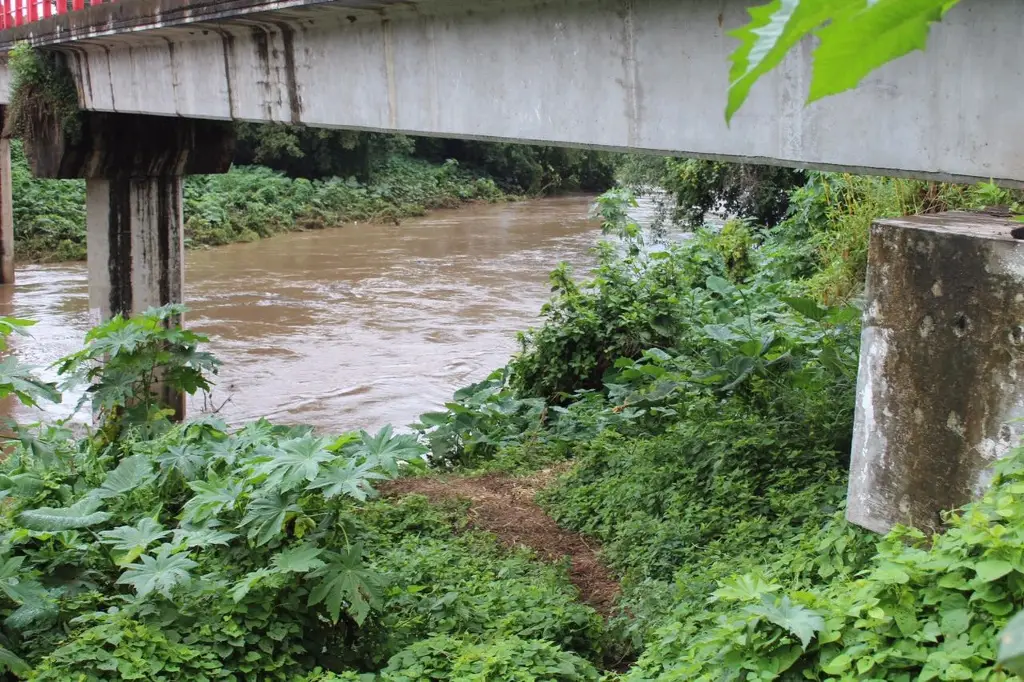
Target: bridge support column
[(941, 382), (6, 215), (135, 244), (133, 166)]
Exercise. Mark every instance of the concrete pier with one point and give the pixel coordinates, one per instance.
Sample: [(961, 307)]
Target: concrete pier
[(133, 167), (135, 244), (941, 382), (6, 215)]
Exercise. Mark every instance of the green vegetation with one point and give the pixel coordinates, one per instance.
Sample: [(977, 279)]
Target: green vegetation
[(697, 401), (705, 395), (696, 398), (150, 550), (44, 98), (855, 37)]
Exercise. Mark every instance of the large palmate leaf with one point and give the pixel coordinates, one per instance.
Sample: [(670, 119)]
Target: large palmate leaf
[(130, 474), (799, 620), (9, 661), (185, 460), (344, 580), (201, 536), (160, 573), (39, 611), (385, 449), (81, 514), (266, 516), (1011, 645), (293, 462), (17, 378), (212, 496), (301, 559), (134, 540), (35, 604), (773, 30), (351, 478), (855, 38), (862, 37)]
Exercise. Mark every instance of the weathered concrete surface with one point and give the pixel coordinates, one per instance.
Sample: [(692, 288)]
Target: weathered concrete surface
[(616, 74), (135, 250), (127, 145), (941, 378), (6, 215), (134, 243)]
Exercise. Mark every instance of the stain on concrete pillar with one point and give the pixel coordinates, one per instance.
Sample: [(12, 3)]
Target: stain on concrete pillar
[(133, 167), (941, 382), (6, 215)]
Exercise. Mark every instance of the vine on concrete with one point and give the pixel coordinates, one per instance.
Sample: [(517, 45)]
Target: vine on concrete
[(44, 98)]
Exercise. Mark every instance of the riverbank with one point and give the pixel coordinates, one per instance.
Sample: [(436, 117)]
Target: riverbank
[(248, 203), (651, 490)]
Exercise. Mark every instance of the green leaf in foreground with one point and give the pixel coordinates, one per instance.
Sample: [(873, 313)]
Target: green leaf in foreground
[(866, 36), (81, 514), (773, 30), (346, 580), (799, 620), (855, 38), (131, 473), (351, 478), (8, 661), (160, 573), (301, 559), (265, 516), (134, 540), (1011, 645)]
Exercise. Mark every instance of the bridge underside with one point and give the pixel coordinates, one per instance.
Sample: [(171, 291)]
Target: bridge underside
[(615, 74)]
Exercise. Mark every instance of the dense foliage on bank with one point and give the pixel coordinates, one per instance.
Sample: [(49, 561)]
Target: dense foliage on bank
[(249, 203), (702, 391), (288, 178)]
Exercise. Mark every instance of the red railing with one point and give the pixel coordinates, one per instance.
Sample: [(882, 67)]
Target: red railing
[(20, 12)]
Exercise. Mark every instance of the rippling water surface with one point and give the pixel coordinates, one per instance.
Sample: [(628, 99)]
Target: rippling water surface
[(352, 327)]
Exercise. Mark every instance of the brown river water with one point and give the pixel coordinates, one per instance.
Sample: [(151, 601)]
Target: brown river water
[(352, 327)]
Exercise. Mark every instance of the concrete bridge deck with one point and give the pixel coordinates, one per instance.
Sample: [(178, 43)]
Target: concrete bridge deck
[(647, 75)]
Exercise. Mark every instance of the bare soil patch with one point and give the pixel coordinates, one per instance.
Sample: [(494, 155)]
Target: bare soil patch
[(504, 505)]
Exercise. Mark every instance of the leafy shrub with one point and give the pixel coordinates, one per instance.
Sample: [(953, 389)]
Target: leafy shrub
[(529, 169), (49, 215), (465, 585), (830, 217), (920, 609), (121, 649), (250, 202), (508, 659), (735, 243), (187, 550), (625, 309), (134, 367), (757, 193)]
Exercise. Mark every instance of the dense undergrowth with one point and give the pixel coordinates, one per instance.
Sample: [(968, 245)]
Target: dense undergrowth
[(704, 393)]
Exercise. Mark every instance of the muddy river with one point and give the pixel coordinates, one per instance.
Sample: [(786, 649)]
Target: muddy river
[(353, 327)]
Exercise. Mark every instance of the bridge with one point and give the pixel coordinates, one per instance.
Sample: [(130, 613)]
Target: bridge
[(157, 79), (641, 75)]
